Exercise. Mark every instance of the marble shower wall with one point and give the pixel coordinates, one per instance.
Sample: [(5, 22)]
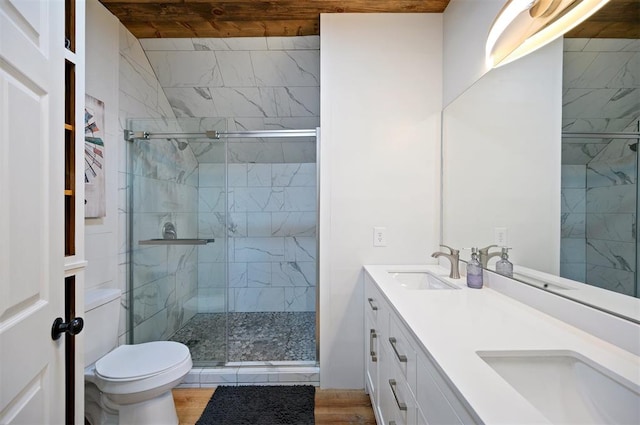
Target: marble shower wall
[(601, 94), (252, 83), (270, 216), (164, 180), (269, 212), (611, 217)]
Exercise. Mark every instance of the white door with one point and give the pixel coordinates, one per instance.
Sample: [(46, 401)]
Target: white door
[(31, 210)]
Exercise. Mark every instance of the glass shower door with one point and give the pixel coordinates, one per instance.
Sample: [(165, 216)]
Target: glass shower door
[(206, 333), (223, 242), (177, 287), (272, 230)]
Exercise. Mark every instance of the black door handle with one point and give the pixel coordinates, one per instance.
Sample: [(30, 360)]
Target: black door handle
[(73, 327)]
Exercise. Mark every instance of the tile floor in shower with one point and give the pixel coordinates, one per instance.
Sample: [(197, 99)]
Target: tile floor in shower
[(268, 336)]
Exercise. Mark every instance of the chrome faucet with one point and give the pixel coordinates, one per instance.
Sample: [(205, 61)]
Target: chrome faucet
[(484, 255), (454, 258)]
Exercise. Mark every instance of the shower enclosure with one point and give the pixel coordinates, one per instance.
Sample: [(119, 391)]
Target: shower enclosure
[(223, 240), (600, 163)]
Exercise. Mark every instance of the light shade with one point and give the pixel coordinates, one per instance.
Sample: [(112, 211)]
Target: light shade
[(523, 26)]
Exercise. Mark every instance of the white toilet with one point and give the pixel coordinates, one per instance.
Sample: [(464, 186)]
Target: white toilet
[(129, 384)]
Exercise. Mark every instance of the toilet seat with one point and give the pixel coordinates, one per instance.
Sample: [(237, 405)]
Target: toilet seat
[(154, 367), (139, 361)]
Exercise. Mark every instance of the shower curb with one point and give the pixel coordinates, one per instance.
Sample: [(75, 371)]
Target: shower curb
[(253, 373)]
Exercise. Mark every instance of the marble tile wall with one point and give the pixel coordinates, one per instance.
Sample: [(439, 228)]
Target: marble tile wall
[(611, 217), (270, 215), (254, 83), (269, 212), (163, 176), (601, 92)]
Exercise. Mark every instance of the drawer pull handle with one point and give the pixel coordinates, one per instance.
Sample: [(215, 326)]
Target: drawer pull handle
[(401, 405), (392, 422), (373, 307), (372, 353), (401, 357)]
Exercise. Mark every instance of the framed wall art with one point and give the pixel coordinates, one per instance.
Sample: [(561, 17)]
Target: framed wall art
[(94, 171)]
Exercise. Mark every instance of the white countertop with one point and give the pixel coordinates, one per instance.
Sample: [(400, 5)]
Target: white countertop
[(452, 325)]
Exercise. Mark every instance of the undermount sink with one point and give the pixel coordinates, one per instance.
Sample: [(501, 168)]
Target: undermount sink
[(568, 388), (420, 281)]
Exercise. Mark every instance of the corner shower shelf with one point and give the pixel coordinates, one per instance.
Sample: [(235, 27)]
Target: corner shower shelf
[(176, 241)]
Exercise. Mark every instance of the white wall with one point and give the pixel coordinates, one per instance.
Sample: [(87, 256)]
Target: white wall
[(380, 97), (102, 80), (466, 26)]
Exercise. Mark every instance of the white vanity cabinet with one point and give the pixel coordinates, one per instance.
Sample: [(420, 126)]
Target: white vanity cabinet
[(404, 385), (454, 355)]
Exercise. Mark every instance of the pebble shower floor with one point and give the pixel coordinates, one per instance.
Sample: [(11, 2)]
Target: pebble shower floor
[(265, 336)]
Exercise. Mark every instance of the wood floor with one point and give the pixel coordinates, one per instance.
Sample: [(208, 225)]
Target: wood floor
[(332, 406)]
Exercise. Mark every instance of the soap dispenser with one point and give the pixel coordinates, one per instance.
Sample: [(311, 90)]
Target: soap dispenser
[(474, 271), (504, 266)]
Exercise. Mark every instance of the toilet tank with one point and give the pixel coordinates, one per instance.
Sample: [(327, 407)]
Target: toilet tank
[(101, 319)]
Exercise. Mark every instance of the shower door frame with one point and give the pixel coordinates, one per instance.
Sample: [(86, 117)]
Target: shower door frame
[(131, 136)]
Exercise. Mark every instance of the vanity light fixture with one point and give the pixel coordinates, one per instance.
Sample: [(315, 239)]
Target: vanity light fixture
[(523, 26)]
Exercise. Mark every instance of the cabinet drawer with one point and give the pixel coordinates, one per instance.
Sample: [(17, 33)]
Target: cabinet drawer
[(375, 305), (372, 354), (403, 351), (397, 403), (435, 399)]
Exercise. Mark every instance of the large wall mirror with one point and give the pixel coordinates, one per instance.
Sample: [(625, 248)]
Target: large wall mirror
[(545, 150)]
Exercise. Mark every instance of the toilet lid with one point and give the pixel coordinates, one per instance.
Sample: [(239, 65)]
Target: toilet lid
[(140, 360)]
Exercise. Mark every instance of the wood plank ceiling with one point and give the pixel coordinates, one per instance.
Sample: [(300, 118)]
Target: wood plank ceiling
[(258, 18), (617, 19), (246, 18)]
